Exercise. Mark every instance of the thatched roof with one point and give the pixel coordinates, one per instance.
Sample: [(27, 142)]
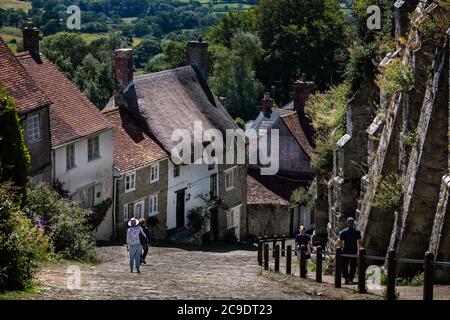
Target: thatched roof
[(174, 99)]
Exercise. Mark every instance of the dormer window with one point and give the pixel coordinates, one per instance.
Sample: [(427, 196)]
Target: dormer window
[(33, 129)]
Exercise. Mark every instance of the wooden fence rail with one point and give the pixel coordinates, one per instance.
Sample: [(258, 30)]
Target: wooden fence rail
[(428, 263)]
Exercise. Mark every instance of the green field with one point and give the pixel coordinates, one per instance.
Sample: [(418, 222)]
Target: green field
[(15, 4), (10, 33)]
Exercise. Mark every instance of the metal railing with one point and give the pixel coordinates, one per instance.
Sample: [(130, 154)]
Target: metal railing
[(391, 259)]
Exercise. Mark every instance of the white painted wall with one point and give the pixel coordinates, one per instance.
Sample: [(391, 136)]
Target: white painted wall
[(196, 178), (99, 171)]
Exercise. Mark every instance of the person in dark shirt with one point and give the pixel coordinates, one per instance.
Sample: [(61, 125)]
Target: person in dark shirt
[(302, 239), (144, 241), (352, 242)]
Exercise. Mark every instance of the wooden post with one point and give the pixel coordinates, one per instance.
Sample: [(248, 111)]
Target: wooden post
[(428, 276), (303, 269), (283, 245), (338, 268), (260, 252), (391, 275), (274, 244), (288, 259), (277, 258), (265, 239), (266, 256), (319, 260), (362, 265)]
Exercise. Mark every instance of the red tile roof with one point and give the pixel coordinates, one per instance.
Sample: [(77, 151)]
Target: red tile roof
[(259, 194), (133, 148), (292, 121), (72, 115), (17, 81)]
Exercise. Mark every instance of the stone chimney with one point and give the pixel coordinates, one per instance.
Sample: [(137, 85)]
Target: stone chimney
[(123, 68), (266, 103), (302, 90), (31, 39), (197, 55)]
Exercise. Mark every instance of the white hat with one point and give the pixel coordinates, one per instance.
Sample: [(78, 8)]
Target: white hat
[(133, 222)]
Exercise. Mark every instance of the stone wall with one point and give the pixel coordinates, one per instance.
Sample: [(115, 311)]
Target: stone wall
[(40, 151), (267, 219), (422, 221)]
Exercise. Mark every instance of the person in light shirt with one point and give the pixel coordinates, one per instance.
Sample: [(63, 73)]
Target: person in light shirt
[(134, 246)]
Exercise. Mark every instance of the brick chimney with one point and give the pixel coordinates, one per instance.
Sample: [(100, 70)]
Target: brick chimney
[(266, 103), (123, 68), (31, 39), (302, 90), (197, 55)]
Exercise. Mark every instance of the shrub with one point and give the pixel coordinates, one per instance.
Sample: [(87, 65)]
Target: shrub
[(301, 197), (389, 196), (396, 77), (411, 139), (98, 214), (66, 222), (240, 122), (22, 245), (14, 156), (196, 219)]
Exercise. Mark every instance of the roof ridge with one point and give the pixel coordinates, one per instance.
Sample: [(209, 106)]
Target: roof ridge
[(160, 73)]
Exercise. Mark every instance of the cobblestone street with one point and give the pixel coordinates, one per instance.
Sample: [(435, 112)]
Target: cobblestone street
[(170, 273)]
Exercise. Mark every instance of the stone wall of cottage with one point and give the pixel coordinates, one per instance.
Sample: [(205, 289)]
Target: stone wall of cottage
[(233, 198), (267, 219), (144, 189), (40, 151)]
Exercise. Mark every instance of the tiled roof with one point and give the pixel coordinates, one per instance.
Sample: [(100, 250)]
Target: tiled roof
[(133, 148), (280, 185), (19, 85), (175, 99), (292, 121), (72, 115), (259, 194)]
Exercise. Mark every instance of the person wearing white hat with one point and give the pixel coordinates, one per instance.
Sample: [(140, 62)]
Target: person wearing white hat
[(134, 246)]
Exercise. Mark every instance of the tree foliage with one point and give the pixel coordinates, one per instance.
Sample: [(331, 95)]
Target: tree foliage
[(22, 245), (234, 76), (15, 160), (299, 36)]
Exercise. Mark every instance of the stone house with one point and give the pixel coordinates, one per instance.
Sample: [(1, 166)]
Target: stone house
[(81, 136), (163, 102), (141, 175), (33, 106), (295, 152)]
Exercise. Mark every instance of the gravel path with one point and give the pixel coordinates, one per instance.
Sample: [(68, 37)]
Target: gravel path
[(171, 273)]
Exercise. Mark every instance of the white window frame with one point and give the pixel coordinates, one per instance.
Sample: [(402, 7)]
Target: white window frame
[(33, 128), (69, 163), (154, 172), (142, 213), (153, 202), (126, 216), (226, 173), (95, 148), (131, 182)]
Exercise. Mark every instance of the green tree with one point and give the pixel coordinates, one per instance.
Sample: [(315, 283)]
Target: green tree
[(14, 156), (65, 49), (145, 50), (299, 36), (234, 75)]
